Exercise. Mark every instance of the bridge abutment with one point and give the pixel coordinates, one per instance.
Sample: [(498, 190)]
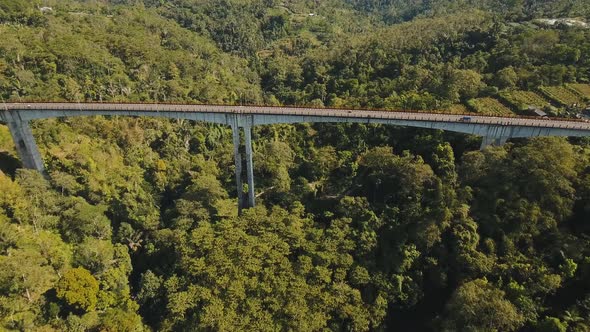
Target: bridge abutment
[(26, 147)]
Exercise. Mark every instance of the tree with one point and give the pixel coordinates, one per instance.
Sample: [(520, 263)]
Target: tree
[(349, 233), (274, 159), (478, 305), (468, 84), (78, 289), (95, 255), (116, 320), (551, 324), (506, 78), (241, 274), (80, 219)]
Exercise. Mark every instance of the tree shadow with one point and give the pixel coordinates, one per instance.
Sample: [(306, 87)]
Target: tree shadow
[(9, 163)]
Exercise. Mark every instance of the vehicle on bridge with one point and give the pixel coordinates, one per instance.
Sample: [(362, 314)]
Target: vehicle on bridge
[(465, 119)]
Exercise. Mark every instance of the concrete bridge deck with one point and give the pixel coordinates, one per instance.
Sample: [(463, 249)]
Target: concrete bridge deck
[(267, 114), (493, 129)]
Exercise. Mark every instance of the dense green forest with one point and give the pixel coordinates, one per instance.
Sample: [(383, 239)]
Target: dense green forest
[(358, 227)]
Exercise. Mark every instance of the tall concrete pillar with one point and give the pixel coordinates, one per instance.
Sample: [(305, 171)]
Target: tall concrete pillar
[(491, 140), (239, 121), (24, 141), (249, 165), (238, 163)]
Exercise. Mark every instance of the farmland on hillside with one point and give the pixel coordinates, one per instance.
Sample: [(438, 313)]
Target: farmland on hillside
[(582, 89), (488, 106), (457, 109), (561, 95), (522, 100)]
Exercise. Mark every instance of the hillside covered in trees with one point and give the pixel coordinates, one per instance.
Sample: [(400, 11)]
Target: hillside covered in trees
[(358, 227)]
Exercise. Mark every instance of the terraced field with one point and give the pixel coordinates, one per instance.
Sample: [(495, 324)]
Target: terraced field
[(561, 95), (457, 109), (521, 100), (488, 106), (582, 89)]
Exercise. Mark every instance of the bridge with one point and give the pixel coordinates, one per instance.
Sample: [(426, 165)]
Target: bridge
[(495, 130)]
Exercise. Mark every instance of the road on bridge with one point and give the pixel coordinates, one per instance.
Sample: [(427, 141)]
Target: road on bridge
[(305, 111)]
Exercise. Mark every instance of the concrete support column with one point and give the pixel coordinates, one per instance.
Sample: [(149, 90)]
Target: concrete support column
[(249, 165), (24, 141), (238, 163), (491, 140), (238, 122)]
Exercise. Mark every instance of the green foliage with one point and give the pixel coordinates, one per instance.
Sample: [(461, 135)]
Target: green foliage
[(479, 306), (78, 289), (6, 144), (118, 320), (80, 219), (78, 64), (506, 78), (20, 12), (358, 227), (239, 274), (402, 10), (275, 160), (551, 324)]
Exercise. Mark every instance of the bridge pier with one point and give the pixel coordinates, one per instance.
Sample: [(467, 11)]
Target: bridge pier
[(23, 139), (491, 140), (243, 122), (249, 165), (238, 163)]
